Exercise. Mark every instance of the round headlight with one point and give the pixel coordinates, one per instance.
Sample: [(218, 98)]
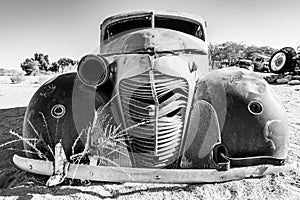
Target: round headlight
[(93, 70)]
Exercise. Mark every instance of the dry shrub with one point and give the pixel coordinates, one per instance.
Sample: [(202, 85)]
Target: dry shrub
[(17, 78)]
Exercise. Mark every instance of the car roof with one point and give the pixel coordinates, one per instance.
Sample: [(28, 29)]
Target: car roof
[(181, 15)]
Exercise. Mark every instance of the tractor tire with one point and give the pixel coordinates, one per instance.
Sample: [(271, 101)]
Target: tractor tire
[(282, 60), (290, 50)]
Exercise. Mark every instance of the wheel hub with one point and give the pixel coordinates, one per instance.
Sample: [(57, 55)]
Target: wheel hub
[(278, 62)]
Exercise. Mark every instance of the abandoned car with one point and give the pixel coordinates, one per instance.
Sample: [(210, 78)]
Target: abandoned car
[(147, 108), (261, 63), (246, 64)]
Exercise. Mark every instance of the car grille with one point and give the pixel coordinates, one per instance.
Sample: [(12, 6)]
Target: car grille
[(154, 107)]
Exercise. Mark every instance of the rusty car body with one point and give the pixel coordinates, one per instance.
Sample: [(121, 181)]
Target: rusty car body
[(147, 108)]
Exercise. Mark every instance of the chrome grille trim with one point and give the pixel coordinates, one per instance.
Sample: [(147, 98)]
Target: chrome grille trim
[(154, 105)]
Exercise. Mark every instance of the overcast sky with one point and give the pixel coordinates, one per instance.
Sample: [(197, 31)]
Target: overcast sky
[(70, 28)]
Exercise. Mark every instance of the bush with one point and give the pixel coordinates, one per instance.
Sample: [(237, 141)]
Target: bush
[(17, 78)]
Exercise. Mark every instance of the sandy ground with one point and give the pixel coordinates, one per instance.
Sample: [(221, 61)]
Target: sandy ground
[(16, 184), (16, 95)]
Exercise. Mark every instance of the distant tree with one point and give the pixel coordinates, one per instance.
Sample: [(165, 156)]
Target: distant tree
[(229, 51), (54, 67), (43, 60), (30, 67), (233, 51), (269, 51), (39, 62), (212, 53), (250, 51), (65, 63)]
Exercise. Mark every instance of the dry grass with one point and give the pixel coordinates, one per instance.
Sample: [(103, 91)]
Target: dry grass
[(17, 78)]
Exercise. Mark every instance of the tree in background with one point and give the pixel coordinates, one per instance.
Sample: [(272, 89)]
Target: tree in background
[(54, 67), (213, 53), (232, 51), (33, 66), (40, 64), (30, 66), (62, 65), (229, 51), (65, 64), (43, 61)]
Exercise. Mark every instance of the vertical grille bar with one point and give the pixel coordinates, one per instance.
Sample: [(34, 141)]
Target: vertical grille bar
[(154, 95)]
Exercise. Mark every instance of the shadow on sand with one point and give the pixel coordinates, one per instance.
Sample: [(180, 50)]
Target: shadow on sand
[(10, 119)]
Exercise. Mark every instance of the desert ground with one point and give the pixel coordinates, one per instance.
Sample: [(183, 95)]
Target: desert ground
[(17, 184)]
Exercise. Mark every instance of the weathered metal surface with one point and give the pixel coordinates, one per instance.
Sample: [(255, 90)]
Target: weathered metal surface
[(158, 39), (61, 166), (159, 106), (79, 102), (246, 134), (142, 175), (155, 106), (202, 137)]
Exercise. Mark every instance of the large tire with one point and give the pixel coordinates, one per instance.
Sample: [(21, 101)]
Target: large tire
[(282, 60), (290, 50)]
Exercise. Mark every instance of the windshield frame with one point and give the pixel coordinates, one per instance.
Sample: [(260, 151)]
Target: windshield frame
[(114, 20)]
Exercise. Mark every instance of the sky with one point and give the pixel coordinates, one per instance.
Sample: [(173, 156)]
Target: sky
[(70, 28)]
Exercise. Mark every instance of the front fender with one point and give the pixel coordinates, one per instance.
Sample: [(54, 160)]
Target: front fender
[(251, 121), (246, 128), (61, 109)]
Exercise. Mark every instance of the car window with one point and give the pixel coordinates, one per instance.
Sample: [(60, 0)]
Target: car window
[(127, 24), (179, 25)]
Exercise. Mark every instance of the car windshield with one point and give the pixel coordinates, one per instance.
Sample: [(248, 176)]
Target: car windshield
[(135, 23)]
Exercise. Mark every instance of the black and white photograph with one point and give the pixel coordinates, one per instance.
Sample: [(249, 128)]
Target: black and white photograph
[(165, 99)]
